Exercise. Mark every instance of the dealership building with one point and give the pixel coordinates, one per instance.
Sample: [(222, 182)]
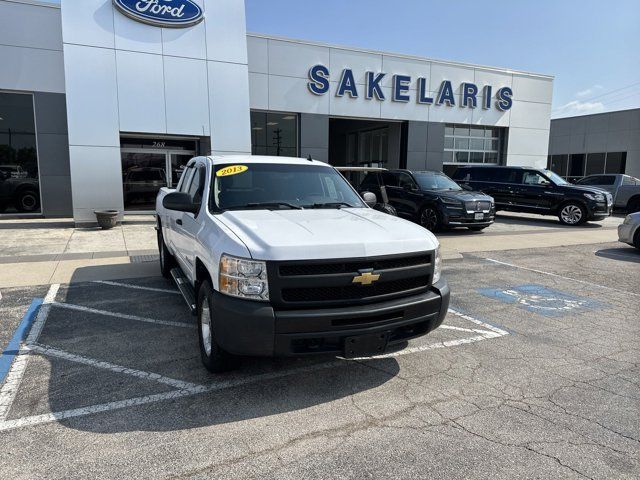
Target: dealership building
[(102, 102)]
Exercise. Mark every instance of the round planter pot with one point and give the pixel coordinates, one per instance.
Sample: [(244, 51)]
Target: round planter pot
[(107, 219)]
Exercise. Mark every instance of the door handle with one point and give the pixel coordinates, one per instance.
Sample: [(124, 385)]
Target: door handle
[(179, 222)]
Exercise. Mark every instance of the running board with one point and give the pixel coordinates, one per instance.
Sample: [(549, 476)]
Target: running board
[(185, 289)]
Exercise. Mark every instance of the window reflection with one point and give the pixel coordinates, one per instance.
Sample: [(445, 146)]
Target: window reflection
[(19, 186), (274, 134)]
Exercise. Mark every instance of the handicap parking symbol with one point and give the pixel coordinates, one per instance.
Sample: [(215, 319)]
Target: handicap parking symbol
[(542, 300)]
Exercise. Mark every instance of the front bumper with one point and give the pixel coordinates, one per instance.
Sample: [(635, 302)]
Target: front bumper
[(460, 217), (245, 327), (599, 210), (626, 233)]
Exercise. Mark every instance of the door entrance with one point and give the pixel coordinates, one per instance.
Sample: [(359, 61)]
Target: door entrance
[(148, 164)]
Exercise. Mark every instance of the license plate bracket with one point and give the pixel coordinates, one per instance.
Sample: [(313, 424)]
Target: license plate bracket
[(479, 216), (365, 345)]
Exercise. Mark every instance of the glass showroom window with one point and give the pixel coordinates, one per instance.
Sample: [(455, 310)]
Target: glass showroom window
[(19, 186), (573, 167), (471, 144), (274, 134)]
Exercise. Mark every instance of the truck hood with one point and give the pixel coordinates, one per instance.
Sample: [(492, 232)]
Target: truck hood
[(325, 233)]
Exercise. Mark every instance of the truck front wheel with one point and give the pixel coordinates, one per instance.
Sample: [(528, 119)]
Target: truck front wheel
[(214, 358)]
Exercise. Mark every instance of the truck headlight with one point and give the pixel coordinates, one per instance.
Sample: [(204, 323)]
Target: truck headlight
[(596, 197), (437, 266), (243, 278)]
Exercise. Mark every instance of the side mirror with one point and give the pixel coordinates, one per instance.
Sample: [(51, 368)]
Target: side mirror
[(180, 202), (369, 198)]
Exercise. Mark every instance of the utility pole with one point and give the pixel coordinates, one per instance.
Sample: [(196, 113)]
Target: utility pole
[(277, 140)]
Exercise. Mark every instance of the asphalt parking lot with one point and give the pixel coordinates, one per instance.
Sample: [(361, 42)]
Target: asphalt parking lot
[(533, 375)]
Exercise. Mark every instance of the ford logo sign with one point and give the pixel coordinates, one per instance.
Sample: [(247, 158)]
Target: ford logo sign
[(162, 13)]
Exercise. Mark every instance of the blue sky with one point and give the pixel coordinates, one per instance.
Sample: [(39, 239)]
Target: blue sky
[(591, 47)]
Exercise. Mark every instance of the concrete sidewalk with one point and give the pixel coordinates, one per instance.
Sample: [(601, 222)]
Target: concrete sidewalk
[(41, 252)]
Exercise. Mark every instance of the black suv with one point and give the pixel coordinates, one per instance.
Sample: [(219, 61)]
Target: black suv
[(530, 190), (432, 199)]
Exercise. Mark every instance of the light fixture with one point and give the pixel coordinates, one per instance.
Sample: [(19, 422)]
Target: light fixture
[(271, 124), (256, 128), (289, 117)]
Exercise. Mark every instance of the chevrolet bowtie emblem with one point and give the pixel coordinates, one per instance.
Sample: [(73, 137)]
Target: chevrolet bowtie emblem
[(366, 278)]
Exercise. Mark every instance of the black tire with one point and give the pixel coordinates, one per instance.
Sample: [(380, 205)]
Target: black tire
[(430, 219), (636, 239), (386, 208), (634, 205), (27, 201), (167, 261), (572, 214), (214, 358), (476, 229)]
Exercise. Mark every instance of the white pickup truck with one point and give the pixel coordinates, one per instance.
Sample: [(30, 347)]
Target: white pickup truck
[(282, 257)]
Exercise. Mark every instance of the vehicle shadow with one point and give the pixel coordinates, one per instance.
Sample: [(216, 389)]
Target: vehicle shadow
[(623, 254), (258, 388), (539, 220)]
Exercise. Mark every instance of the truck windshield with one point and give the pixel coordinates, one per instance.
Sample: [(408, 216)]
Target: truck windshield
[(435, 181), (280, 186)]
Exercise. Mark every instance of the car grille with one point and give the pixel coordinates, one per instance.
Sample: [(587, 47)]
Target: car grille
[(352, 292), (303, 284), (478, 206)]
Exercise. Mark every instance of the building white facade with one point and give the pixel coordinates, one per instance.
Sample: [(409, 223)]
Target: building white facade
[(133, 90)]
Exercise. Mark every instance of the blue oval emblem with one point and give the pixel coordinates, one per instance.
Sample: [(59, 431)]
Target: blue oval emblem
[(162, 13)]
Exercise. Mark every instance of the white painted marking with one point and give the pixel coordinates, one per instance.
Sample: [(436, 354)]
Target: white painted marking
[(107, 407), (137, 287), (560, 276), (490, 332), (54, 352), (123, 316), (19, 365)]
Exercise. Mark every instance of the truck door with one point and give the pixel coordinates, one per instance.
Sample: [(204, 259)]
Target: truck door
[(187, 225)]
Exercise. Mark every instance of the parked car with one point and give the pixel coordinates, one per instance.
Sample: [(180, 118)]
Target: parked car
[(624, 188), (281, 257), (21, 193), (629, 230), (530, 190), (433, 200), (356, 175)]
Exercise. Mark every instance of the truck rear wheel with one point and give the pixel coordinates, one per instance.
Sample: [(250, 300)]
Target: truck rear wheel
[(213, 357), (167, 262)]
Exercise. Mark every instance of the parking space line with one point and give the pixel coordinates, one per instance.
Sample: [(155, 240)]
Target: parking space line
[(486, 325), (148, 399), (561, 276), (18, 366), (124, 316), (137, 287), (55, 352), (460, 329), (490, 332)]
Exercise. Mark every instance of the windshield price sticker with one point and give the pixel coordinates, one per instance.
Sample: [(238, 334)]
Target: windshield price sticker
[(231, 170)]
